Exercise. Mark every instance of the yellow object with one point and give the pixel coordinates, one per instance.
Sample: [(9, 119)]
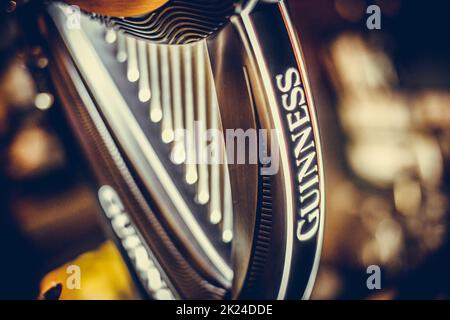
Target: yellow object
[(96, 275)]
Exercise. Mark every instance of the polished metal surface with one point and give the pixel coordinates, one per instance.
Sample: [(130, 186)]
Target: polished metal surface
[(177, 22), (249, 230)]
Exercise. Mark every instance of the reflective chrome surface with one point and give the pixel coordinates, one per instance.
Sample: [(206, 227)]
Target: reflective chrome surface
[(240, 229)]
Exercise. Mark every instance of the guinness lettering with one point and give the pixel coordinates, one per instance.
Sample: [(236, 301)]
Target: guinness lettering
[(298, 120)]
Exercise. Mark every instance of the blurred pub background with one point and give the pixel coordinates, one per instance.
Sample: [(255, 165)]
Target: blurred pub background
[(383, 100)]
